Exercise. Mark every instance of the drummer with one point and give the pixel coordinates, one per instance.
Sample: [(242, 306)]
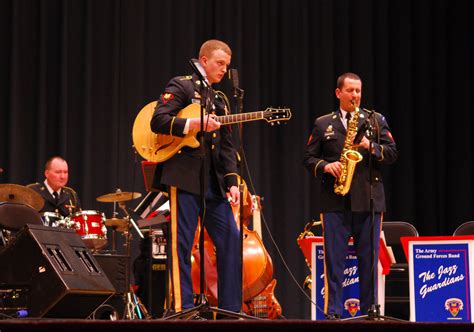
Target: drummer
[(57, 197)]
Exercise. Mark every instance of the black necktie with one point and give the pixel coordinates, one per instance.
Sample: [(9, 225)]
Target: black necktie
[(348, 118), (56, 197)]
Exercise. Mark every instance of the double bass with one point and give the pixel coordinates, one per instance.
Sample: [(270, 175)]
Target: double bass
[(257, 268)]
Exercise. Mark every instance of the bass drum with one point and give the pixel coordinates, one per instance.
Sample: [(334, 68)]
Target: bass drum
[(90, 225)]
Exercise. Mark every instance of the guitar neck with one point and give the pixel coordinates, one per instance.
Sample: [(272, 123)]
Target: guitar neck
[(242, 117)]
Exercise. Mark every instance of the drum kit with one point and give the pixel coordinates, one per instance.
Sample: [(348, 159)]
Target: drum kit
[(20, 205), (90, 225)]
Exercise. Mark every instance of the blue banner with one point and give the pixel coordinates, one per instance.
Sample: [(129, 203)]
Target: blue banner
[(350, 295), (440, 278)]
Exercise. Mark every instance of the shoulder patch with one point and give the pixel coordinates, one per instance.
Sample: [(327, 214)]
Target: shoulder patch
[(166, 97)]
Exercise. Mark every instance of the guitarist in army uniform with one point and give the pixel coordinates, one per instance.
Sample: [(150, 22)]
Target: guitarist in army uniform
[(179, 175)]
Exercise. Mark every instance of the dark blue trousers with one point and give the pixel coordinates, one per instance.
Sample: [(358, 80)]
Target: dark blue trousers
[(222, 228), (338, 227)]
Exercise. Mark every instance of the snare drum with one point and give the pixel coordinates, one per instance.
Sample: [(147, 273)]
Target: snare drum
[(52, 219), (90, 225)]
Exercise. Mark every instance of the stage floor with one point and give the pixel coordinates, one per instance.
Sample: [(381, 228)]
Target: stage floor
[(73, 325)]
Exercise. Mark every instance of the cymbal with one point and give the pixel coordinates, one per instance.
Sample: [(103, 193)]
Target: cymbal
[(118, 197), (118, 224), (14, 193)]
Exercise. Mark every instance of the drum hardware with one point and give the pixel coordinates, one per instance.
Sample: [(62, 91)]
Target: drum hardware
[(119, 225), (134, 309), (5, 237), (14, 193), (118, 196), (53, 219)]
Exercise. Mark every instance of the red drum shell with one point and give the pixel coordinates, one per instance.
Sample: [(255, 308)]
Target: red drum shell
[(90, 225)]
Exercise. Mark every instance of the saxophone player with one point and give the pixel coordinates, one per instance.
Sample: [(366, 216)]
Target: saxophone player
[(346, 215)]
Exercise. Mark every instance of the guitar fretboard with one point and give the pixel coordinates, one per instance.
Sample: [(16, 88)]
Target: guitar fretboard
[(242, 117)]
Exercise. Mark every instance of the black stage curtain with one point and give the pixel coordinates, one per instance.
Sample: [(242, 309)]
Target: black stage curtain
[(74, 74)]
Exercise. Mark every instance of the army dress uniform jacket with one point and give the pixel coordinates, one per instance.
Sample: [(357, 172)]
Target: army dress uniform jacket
[(183, 169), (325, 145), (67, 197)]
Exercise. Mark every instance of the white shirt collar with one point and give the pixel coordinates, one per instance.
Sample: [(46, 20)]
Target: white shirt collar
[(51, 191), (343, 114)]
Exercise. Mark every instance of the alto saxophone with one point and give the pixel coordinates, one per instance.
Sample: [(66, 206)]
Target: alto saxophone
[(349, 157)]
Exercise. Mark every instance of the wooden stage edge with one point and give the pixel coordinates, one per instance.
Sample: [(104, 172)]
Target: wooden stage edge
[(158, 325)]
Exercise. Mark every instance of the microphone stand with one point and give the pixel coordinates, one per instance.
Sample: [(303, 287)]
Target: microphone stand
[(374, 311), (239, 97)]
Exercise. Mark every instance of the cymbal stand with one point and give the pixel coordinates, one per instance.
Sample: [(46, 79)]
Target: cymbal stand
[(130, 219), (3, 241), (134, 308), (114, 230)]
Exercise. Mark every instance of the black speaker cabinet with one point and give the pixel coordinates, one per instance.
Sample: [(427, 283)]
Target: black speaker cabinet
[(115, 267), (63, 278)]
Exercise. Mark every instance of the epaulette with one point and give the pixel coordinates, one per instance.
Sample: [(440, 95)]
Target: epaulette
[(32, 184), (70, 189), (330, 115), (186, 78)]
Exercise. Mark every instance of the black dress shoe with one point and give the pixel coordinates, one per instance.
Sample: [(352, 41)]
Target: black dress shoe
[(332, 317)]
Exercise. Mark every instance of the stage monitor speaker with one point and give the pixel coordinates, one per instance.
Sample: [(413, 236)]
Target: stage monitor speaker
[(63, 278)]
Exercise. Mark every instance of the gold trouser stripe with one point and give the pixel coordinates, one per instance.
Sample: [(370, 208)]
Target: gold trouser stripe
[(176, 282), (326, 285)]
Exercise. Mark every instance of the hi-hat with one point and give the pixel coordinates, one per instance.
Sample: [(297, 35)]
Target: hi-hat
[(119, 225), (14, 193), (118, 197)]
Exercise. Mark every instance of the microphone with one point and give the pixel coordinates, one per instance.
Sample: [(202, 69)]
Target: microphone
[(366, 126), (234, 77), (197, 68), (370, 112)]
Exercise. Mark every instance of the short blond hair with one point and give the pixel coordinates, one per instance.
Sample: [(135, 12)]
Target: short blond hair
[(212, 45), (47, 166)]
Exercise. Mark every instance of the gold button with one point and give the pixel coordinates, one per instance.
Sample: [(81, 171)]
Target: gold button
[(179, 151), (213, 146), (214, 135)]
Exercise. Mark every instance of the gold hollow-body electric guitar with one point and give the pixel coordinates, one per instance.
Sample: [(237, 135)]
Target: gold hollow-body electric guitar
[(160, 147)]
